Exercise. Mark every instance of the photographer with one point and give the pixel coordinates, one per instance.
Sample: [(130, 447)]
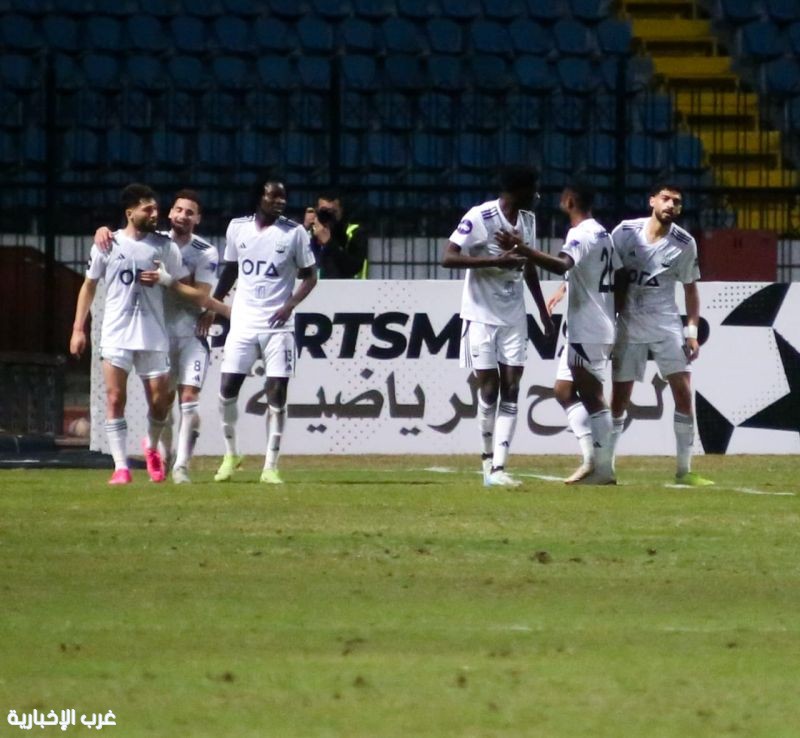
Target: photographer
[(339, 247)]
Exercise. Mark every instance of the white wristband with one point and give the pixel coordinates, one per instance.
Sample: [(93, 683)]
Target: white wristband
[(690, 331)]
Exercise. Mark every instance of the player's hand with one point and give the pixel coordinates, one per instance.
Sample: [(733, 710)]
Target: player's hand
[(692, 349), (204, 323), (509, 260), (104, 239), (77, 343), (508, 241), (159, 275), (551, 304), (281, 315)]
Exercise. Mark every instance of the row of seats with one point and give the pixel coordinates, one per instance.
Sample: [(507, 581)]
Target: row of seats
[(310, 35), (764, 40), (590, 11), (739, 12), (402, 73)]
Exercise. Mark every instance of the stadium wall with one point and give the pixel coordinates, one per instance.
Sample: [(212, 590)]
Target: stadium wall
[(378, 372)]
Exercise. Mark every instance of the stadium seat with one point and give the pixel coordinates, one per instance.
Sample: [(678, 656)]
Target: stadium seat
[(34, 147), (82, 149), (653, 114), (182, 110), (376, 10), (490, 73), (145, 33), (309, 111), (169, 149), (215, 150), (97, 110), (517, 148), (432, 151), (103, 33), (275, 73), (188, 35), (256, 151), (576, 75), (158, 8), (60, 33), (546, 12), (18, 72), (221, 110), (77, 8), (231, 73), (476, 152), (359, 73), (233, 35), (32, 8), (357, 110), (243, 8), (761, 41), (304, 152), (351, 155), (601, 154), (794, 38), (124, 149), (444, 36), (614, 37), (332, 10), (480, 112), (446, 73), (405, 72), (273, 36), (315, 35), (207, 9), (68, 75), (18, 34), (419, 10), (489, 37), (535, 74), (437, 111), (529, 37), (573, 38), (267, 110), (314, 73), (573, 111), (461, 10), (687, 153), (738, 12), (638, 72), (645, 153), (358, 36), (503, 10), (557, 153), (145, 73), (591, 11), (9, 151), (187, 73), (401, 36), (287, 9), (395, 110), (781, 78), (525, 111), (386, 152), (783, 11), (101, 72)]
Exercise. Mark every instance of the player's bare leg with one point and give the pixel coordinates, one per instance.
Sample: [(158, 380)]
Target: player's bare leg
[(620, 399), (276, 421), (590, 390), (116, 381), (681, 386), (505, 425), (578, 421)]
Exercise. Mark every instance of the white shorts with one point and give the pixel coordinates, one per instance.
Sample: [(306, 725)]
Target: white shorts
[(593, 357), (630, 359), (277, 349), (188, 360), (148, 364), (484, 346), (563, 374)]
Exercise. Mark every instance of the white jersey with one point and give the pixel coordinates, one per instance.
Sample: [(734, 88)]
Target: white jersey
[(651, 313), (590, 314), (133, 316), (268, 261), (492, 295), (200, 260)]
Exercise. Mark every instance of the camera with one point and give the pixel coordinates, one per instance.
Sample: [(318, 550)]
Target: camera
[(326, 216)]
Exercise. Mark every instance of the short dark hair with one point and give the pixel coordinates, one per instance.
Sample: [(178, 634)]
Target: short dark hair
[(583, 193), (517, 177), (134, 193), (665, 185), (330, 196), (187, 194), (260, 187)]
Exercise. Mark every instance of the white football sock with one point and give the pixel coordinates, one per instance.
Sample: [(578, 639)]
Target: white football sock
[(617, 426), (486, 419), (117, 434), (276, 420), (190, 422), (154, 428), (229, 414), (578, 421), (601, 437), (684, 440), (504, 426), (165, 441)]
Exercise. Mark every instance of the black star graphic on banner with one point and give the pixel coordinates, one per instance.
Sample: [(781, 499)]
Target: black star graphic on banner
[(760, 309), (783, 414), (714, 428)]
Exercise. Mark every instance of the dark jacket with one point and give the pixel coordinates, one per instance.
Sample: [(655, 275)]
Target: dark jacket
[(345, 255)]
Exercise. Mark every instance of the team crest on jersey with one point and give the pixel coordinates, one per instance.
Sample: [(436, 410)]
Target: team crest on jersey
[(465, 226), (574, 243)]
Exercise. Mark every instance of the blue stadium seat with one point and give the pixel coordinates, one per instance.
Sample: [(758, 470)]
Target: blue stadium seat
[(480, 112), (169, 149), (386, 152), (188, 35), (358, 110), (573, 112), (525, 111), (305, 152), (267, 110), (792, 115), (490, 73), (576, 75), (461, 10), (573, 38), (124, 149), (332, 10), (136, 110), (395, 111), (546, 12), (18, 33), (257, 151), (288, 9), (739, 12), (315, 35), (221, 110), (794, 38), (376, 10), (517, 148), (9, 151), (504, 10), (614, 37), (104, 34), (687, 153), (145, 73), (243, 8), (34, 147), (315, 73), (557, 153), (233, 35), (146, 33), (781, 78), (645, 153), (653, 114), (489, 37), (158, 8), (419, 10), (33, 8), (761, 41), (351, 155), (405, 72), (437, 111), (187, 73), (638, 73), (477, 152), (273, 36), (359, 73), (101, 72), (358, 36), (82, 149), (78, 8), (444, 36), (13, 107), (182, 110), (308, 111), (275, 73), (401, 36), (215, 150), (68, 75), (432, 151), (535, 74), (231, 73), (529, 37), (591, 11), (446, 73), (60, 33), (783, 11), (206, 9), (601, 154)]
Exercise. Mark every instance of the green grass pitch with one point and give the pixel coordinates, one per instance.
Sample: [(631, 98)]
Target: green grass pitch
[(378, 598)]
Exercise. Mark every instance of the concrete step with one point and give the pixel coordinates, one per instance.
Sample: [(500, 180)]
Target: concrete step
[(710, 104), (659, 8), (678, 29), (681, 47), (737, 176), (741, 142), (693, 66)]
